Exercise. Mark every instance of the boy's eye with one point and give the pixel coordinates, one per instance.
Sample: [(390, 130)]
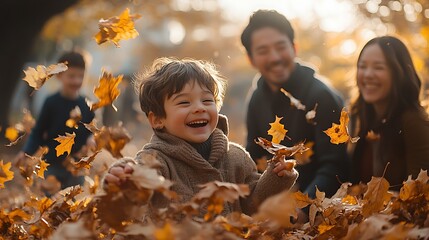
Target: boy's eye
[(208, 100), (183, 102)]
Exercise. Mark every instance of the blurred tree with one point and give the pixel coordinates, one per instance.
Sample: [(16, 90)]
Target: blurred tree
[(410, 20), (21, 21)]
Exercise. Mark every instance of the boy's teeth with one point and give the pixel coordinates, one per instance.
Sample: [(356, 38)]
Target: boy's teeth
[(198, 123)]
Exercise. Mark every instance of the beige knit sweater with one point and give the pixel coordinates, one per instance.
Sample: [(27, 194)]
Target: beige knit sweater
[(228, 162)]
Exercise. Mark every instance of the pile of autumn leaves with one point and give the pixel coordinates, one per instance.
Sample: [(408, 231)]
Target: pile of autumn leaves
[(364, 211), (355, 212)]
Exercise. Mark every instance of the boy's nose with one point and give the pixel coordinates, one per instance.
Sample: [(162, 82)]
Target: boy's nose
[(199, 107)]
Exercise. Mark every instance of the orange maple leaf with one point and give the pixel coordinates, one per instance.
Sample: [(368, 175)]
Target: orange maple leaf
[(41, 168), (277, 130), (107, 90), (339, 132), (36, 77), (5, 173), (117, 28), (66, 143)]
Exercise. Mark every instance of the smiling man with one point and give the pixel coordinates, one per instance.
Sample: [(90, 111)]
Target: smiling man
[(269, 42)]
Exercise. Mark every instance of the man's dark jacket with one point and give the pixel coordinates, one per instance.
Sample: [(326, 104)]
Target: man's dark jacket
[(328, 164)]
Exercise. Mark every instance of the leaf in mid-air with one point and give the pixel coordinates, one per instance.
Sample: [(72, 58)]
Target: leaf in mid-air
[(5, 173), (66, 143), (117, 28), (277, 130), (36, 77), (107, 90), (339, 132)]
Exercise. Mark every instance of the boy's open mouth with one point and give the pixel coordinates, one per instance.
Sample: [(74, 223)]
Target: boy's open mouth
[(197, 124)]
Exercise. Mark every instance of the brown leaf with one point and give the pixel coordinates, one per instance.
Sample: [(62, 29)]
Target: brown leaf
[(113, 139), (86, 161), (376, 196), (279, 209), (36, 77), (66, 143), (280, 151)]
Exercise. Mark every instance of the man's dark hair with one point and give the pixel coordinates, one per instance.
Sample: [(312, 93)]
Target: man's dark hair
[(266, 18), (73, 59)]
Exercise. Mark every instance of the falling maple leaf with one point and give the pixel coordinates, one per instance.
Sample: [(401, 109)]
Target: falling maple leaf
[(41, 168), (36, 77), (107, 90), (277, 131), (293, 101), (66, 143), (75, 117), (117, 28), (5, 173), (279, 151), (339, 132)]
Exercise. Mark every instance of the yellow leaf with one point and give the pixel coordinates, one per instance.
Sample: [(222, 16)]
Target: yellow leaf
[(11, 133), (66, 143), (277, 130), (339, 132), (107, 90), (117, 28), (41, 168), (324, 227), (5, 173), (36, 77), (351, 200)]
